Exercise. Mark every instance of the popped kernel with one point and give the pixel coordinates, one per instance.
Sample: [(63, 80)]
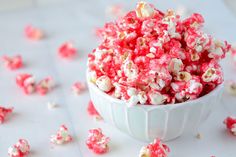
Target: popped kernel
[(62, 136), (166, 59), (13, 63), (33, 33), (155, 149), (230, 123), (20, 149), (97, 141), (67, 50), (26, 82), (231, 87), (44, 86), (92, 111), (4, 112), (51, 105), (78, 87)]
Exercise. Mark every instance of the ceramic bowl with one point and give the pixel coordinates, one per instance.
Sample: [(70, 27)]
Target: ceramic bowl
[(147, 122)]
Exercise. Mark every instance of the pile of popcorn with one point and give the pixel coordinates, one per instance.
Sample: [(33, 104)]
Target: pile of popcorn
[(152, 57)]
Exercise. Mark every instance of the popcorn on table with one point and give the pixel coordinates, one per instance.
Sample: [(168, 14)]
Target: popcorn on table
[(164, 58), (4, 112), (97, 141), (26, 82), (13, 63), (33, 33), (155, 149), (67, 50), (230, 123), (62, 136), (44, 86), (20, 149)]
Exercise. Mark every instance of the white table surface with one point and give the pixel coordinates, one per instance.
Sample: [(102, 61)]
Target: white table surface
[(76, 20)]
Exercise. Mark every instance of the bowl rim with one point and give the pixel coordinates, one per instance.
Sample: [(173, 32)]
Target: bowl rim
[(147, 106)]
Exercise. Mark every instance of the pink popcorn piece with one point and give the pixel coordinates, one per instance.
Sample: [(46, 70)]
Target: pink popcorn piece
[(92, 111), (97, 141), (20, 149), (155, 149), (67, 50), (62, 136), (78, 87), (4, 112), (230, 123), (13, 63), (44, 86), (164, 58), (26, 82), (33, 33)]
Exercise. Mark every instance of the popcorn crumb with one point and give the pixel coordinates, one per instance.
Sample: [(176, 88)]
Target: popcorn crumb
[(20, 149), (52, 105), (62, 136), (67, 50), (13, 63), (33, 33), (4, 112), (199, 136), (97, 141)]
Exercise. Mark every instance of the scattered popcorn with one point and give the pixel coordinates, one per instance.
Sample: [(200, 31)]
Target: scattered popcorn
[(78, 87), (52, 105), (92, 111), (97, 141), (13, 63), (33, 33), (67, 50), (20, 149), (26, 82), (155, 149), (62, 136), (230, 123), (44, 86), (4, 112), (231, 87), (162, 58)]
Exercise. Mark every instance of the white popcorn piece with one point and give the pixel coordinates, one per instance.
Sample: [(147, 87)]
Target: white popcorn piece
[(156, 98), (104, 83), (144, 10), (175, 65)]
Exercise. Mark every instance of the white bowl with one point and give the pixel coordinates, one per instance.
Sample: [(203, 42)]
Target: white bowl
[(147, 122)]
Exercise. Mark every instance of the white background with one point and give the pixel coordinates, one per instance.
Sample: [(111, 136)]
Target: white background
[(76, 20)]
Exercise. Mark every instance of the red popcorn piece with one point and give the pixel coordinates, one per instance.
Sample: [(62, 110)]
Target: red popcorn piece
[(161, 57), (13, 63), (155, 149), (4, 112), (67, 50), (44, 86), (26, 82), (33, 33), (20, 149), (78, 87), (62, 136), (97, 141), (230, 123)]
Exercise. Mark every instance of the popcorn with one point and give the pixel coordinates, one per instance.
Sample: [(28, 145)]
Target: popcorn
[(13, 63), (67, 50), (97, 141), (51, 105), (33, 33), (4, 112), (155, 149), (62, 136), (104, 83), (230, 123), (78, 87), (144, 10), (26, 82), (44, 86), (115, 10), (20, 149), (231, 87), (92, 111), (159, 56)]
